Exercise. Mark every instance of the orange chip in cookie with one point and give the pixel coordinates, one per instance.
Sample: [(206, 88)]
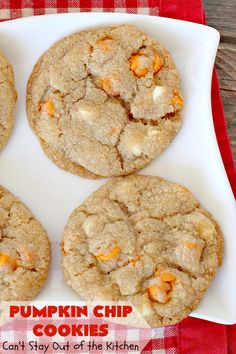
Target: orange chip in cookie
[(167, 277), (105, 257), (7, 263), (160, 292), (177, 100), (139, 64), (47, 107), (105, 44), (191, 245), (108, 85)]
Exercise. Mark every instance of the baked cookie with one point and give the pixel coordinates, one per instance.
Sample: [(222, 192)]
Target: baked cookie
[(105, 102), (146, 240), (7, 99), (24, 250)]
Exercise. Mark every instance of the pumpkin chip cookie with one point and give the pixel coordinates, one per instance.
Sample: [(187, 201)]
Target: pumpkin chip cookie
[(105, 102), (24, 251), (7, 100), (145, 240)]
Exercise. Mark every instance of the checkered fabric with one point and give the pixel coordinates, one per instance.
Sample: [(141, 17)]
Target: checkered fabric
[(12, 9), (191, 336)]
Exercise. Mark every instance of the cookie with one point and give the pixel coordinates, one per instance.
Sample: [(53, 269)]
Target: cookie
[(105, 101), (24, 250), (7, 100), (145, 240)]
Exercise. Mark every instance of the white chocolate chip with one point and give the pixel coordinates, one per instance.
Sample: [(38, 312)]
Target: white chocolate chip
[(136, 149), (89, 224), (158, 92), (206, 229), (152, 132), (136, 143), (87, 112)]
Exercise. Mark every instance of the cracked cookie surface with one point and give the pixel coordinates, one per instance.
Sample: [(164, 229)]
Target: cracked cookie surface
[(7, 100), (24, 250), (146, 240), (105, 102)]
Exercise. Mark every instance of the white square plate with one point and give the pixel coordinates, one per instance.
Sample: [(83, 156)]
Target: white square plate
[(193, 159)]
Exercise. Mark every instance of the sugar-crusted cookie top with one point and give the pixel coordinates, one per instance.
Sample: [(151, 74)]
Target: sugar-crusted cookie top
[(145, 240), (24, 251), (106, 100), (7, 99)]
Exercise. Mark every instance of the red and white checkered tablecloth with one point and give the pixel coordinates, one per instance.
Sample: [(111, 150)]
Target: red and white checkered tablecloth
[(191, 336), (11, 9)]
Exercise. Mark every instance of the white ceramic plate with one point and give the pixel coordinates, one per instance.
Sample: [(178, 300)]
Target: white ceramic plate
[(193, 159)]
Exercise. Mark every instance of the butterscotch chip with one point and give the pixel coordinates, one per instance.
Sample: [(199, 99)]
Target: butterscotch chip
[(24, 251), (159, 293), (7, 100), (105, 102), (47, 107), (145, 240), (105, 257), (7, 263)]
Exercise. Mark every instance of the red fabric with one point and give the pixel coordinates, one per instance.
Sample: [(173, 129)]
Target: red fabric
[(221, 132), (195, 334), (191, 336), (188, 10), (231, 339)]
